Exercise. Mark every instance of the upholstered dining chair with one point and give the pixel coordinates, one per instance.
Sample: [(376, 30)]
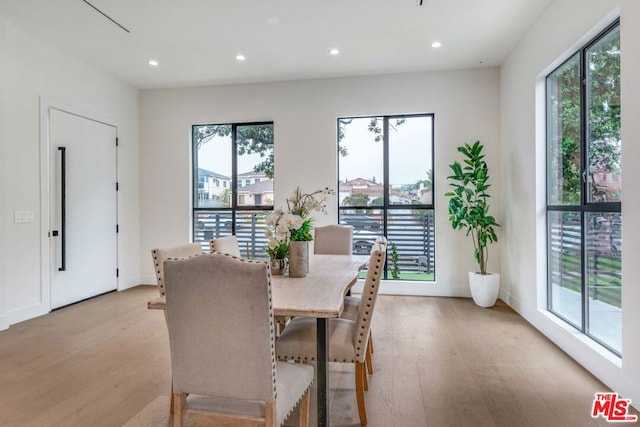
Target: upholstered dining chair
[(352, 304), (352, 307), (159, 255), (347, 338), (333, 239), (222, 340), (226, 245)]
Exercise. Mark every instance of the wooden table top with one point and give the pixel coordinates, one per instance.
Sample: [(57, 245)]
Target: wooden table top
[(319, 294)]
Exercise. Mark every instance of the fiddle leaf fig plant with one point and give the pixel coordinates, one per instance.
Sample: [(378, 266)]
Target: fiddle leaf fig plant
[(468, 205)]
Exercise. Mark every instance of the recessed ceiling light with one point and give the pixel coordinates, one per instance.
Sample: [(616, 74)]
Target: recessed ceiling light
[(436, 44), (240, 57), (153, 62), (273, 20), (334, 51)]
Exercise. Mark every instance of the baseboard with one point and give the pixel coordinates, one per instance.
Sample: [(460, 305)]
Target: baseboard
[(130, 282), (4, 322), (147, 280), (26, 313), (427, 289)]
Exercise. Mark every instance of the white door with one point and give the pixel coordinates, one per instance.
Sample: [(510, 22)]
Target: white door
[(83, 208)]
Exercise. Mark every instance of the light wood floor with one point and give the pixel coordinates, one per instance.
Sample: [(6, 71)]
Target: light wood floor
[(438, 362)]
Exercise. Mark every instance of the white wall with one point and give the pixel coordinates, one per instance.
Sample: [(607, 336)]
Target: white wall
[(561, 30), (3, 181), (32, 69), (465, 104)]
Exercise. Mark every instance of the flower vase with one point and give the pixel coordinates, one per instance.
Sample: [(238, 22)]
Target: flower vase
[(298, 258), (278, 266)]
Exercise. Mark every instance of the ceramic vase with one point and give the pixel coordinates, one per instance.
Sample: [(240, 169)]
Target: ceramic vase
[(298, 258), (484, 288)]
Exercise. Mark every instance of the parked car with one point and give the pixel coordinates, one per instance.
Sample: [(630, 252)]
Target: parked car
[(363, 241), (362, 222)]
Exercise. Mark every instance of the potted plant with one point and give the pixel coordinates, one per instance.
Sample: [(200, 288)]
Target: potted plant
[(277, 231), (469, 211), (301, 205)]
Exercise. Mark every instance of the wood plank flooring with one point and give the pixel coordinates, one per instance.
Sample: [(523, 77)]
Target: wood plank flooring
[(438, 362)]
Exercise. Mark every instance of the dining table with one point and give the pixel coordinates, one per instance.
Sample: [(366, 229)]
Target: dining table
[(319, 295)]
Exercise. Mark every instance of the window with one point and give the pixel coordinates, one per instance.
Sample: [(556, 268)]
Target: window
[(228, 152), (386, 188), (584, 190)]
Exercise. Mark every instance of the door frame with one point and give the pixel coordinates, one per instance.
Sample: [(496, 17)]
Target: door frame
[(47, 104)]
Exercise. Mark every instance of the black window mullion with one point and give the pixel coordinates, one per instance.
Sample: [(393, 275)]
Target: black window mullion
[(583, 269), (385, 168), (194, 178), (234, 176), (584, 167), (386, 183), (584, 188)]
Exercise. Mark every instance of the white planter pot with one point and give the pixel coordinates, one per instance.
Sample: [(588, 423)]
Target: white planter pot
[(484, 288)]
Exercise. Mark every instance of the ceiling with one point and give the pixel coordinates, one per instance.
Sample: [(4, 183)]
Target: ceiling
[(196, 41)]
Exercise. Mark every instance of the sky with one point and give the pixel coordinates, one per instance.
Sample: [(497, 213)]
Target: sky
[(410, 151)]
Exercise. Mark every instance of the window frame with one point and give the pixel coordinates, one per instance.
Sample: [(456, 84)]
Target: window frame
[(233, 181), (585, 206), (386, 206)]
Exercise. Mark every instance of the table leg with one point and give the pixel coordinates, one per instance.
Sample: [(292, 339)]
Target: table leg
[(322, 375)]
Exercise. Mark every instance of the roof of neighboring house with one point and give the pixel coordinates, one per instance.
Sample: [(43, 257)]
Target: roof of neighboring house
[(359, 181), (204, 172), (261, 187), (360, 185), (252, 174)]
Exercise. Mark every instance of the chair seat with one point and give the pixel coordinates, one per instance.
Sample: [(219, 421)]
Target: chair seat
[(292, 380), (298, 341), (351, 308)]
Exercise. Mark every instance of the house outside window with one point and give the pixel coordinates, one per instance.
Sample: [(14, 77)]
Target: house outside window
[(584, 190), (233, 154), (385, 187)]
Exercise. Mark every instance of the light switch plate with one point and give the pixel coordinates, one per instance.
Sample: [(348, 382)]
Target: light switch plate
[(24, 216)]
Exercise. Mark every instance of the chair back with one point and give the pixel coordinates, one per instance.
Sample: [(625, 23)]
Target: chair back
[(221, 327), (334, 239), (368, 299), (226, 245), (382, 240), (159, 255)]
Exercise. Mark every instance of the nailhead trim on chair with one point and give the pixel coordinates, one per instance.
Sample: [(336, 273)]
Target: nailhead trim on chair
[(160, 282), (298, 402), (366, 318)]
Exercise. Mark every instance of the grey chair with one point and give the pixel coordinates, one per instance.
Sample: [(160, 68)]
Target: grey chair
[(347, 338), (352, 304), (334, 239), (159, 255), (222, 339), (226, 245)]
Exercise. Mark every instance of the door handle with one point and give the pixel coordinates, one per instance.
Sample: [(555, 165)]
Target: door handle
[(63, 213)]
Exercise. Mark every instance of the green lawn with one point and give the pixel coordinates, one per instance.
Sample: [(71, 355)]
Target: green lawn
[(428, 277)]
